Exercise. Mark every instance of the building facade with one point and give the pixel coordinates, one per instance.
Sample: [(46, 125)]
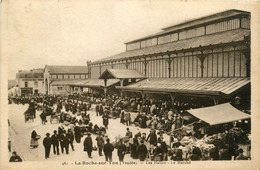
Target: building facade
[(30, 82), (202, 58), (57, 79), (212, 46)]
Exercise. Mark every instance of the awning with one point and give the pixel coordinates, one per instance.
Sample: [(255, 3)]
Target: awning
[(219, 114), (121, 74), (95, 83), (64, 82), (196, 86)]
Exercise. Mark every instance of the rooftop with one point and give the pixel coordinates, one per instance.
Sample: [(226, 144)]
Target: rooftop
[(196, 22), (54, 69), (64, 82), (199, 86), (96, 83), (211, 39), (121, 74), (34, 73)]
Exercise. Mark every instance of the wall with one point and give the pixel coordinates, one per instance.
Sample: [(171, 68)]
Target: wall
[(226, 62), (55, 89), (51, 77), (31, 84)]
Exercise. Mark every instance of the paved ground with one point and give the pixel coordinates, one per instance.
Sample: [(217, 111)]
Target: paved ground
[(20, 133)]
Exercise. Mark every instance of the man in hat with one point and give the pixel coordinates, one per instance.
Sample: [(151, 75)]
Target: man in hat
[(47, 145), (142, 151), (152, 139), (70, 137), (108, 149), (15, 158), (64, 141), (129, 136), (88, 145), (143, 121), (101, 110), (55, 142), (100, 143), (77, 131), (97, 110), (127, 117), (105, 120), (121, 150)]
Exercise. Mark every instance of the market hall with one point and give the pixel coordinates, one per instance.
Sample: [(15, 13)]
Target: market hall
[(206, 59), (195, 64), (170, 77)]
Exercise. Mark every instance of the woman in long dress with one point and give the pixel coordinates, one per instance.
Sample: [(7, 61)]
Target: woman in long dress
[(34, 139)]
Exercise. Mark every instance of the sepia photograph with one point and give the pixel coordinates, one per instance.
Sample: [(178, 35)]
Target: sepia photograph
[(128, 84)]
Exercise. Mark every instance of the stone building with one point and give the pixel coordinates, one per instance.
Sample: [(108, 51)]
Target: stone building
[(57, 79), (30, 82)]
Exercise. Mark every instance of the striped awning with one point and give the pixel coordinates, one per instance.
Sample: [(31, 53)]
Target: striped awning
[(200, 86)]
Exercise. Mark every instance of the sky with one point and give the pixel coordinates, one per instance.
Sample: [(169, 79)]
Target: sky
[(70, 32)]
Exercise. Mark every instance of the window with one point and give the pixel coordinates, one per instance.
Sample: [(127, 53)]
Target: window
[(183, 35), (36, 84), (26, 84), (60, 76), (133, 46), (59, 88), (174, 37), (223, 26)]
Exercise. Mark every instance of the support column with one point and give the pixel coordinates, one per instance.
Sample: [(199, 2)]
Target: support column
[(121, 82), (169, 60), (145, 62), (247, 54), (71, 89), (100, 67), (143, 99), (127, 64), (201, 58), (105, 82), (81, 89), (112, 65), (105, 92), (173, 97)]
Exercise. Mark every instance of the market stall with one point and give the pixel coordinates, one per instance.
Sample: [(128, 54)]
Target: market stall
[(221, 145), (219, 114)]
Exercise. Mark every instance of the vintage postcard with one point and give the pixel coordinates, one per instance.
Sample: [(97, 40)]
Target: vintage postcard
[(129, 84)]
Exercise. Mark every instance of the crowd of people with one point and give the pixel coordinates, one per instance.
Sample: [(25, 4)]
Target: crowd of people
[(188, 142)]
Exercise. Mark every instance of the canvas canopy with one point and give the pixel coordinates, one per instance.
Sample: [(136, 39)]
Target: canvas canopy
[(219, 114)]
